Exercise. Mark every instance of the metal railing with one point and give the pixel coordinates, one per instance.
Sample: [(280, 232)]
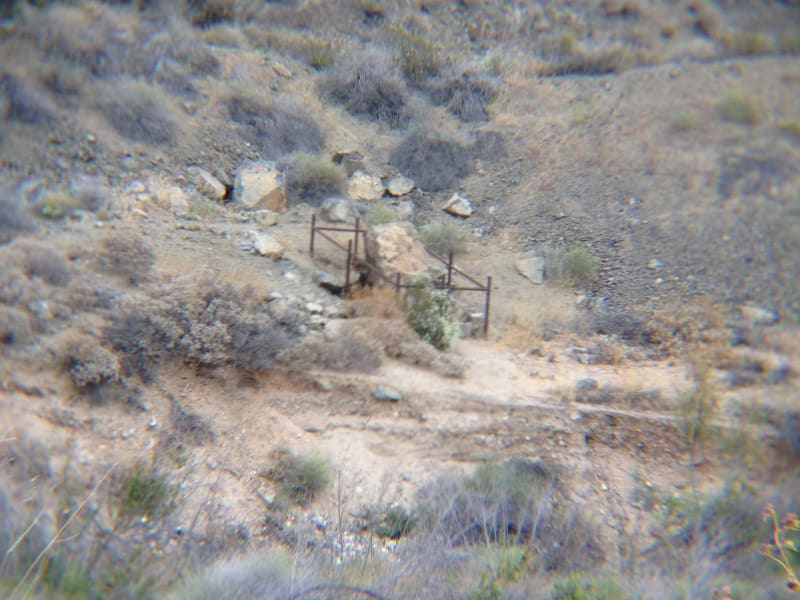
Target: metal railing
[(355, 261)]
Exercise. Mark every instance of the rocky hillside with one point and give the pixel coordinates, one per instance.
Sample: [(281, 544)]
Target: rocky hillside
[(196, 406)]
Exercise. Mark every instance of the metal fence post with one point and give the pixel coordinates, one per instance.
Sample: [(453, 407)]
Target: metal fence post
[(449, 269), (487, 307), (347, 268), (313, 231), (355, 249)]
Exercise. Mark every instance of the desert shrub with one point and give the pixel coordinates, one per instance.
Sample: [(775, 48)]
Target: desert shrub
[(206, 323), (204, 13), (47, 264), (312, 179), (685, 120), (351, 350), (431, 313), (127, 255), (24, 103), (144, 492), (740, 108), (88, 364), (300, 477), (789, 42), (13, 219), (399, 522), (176, 44), (594, 61), (15, 327), (277, 127), (367, 85), (57, 203), (489, 145), (516, 502), (418, 56), (466, 96), (93, 36), (320, 54), (744, 43), (571, 266), (379, 214), (791, 129), (444, 238), (435, 164), (583, 587), (556, 45), (138, 111)]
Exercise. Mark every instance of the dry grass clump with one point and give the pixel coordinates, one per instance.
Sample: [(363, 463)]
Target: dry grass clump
[(300, 477), (206, 324), (745, 43), (434, 163), (419, 57), (24, 102), (127, 255), (367, 84), (13, 218), (312, 179), (741, 108), (685, 120), (277, 127), (89, 34), (15, 327), (444, 238), (320, 54), (88, 364), (573, 266), (138, 111), (789, 42), (45, 263), (791, 129), (205, 13), (466, 96), (593, 61)]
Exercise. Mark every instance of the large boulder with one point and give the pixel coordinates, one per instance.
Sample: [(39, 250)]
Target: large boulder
[(395, 248), (363, 186), (259, 185), (207, 184)]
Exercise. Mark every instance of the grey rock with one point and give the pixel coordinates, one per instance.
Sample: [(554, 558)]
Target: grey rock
[(386, 394), (336, 210), (399, 185), (531, 268), (458, 206), (757, 315), (583, 386)]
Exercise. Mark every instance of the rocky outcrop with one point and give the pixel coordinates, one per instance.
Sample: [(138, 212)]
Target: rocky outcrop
[(259, 185), (394, 248)]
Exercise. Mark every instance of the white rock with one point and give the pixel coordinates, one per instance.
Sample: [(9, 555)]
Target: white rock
[(458, 205), (386, 394), (315, 308), (395, 248), (399, 185), (654, 263), (263, 244), (336, 210), (259, 185), (757, 315), (531, 268), (208, 185), (363, 186)]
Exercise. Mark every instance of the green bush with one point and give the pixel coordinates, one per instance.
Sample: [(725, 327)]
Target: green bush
[(398, 523), (740, 108), (312, 179), (419, 57), (443, 238), (301, 477), (379, 214), (571, 266), (145, 493), (431, 313)]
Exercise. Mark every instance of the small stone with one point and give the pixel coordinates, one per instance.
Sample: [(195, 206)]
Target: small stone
[(262, 244), (386, 394), (153, 423), (282, 71), (363, 186), (264, 217), (654, 263), (459, 206), (531, 268), (399, 185), (757, 315), (315, 308), (208, 185), (585, 385)]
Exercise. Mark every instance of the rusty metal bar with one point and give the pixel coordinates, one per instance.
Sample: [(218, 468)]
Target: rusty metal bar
[(332, 241), (355, 249), (449, 268), (313, 231), (343, 229), (487, 307), (347, 268), (455, 268)]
